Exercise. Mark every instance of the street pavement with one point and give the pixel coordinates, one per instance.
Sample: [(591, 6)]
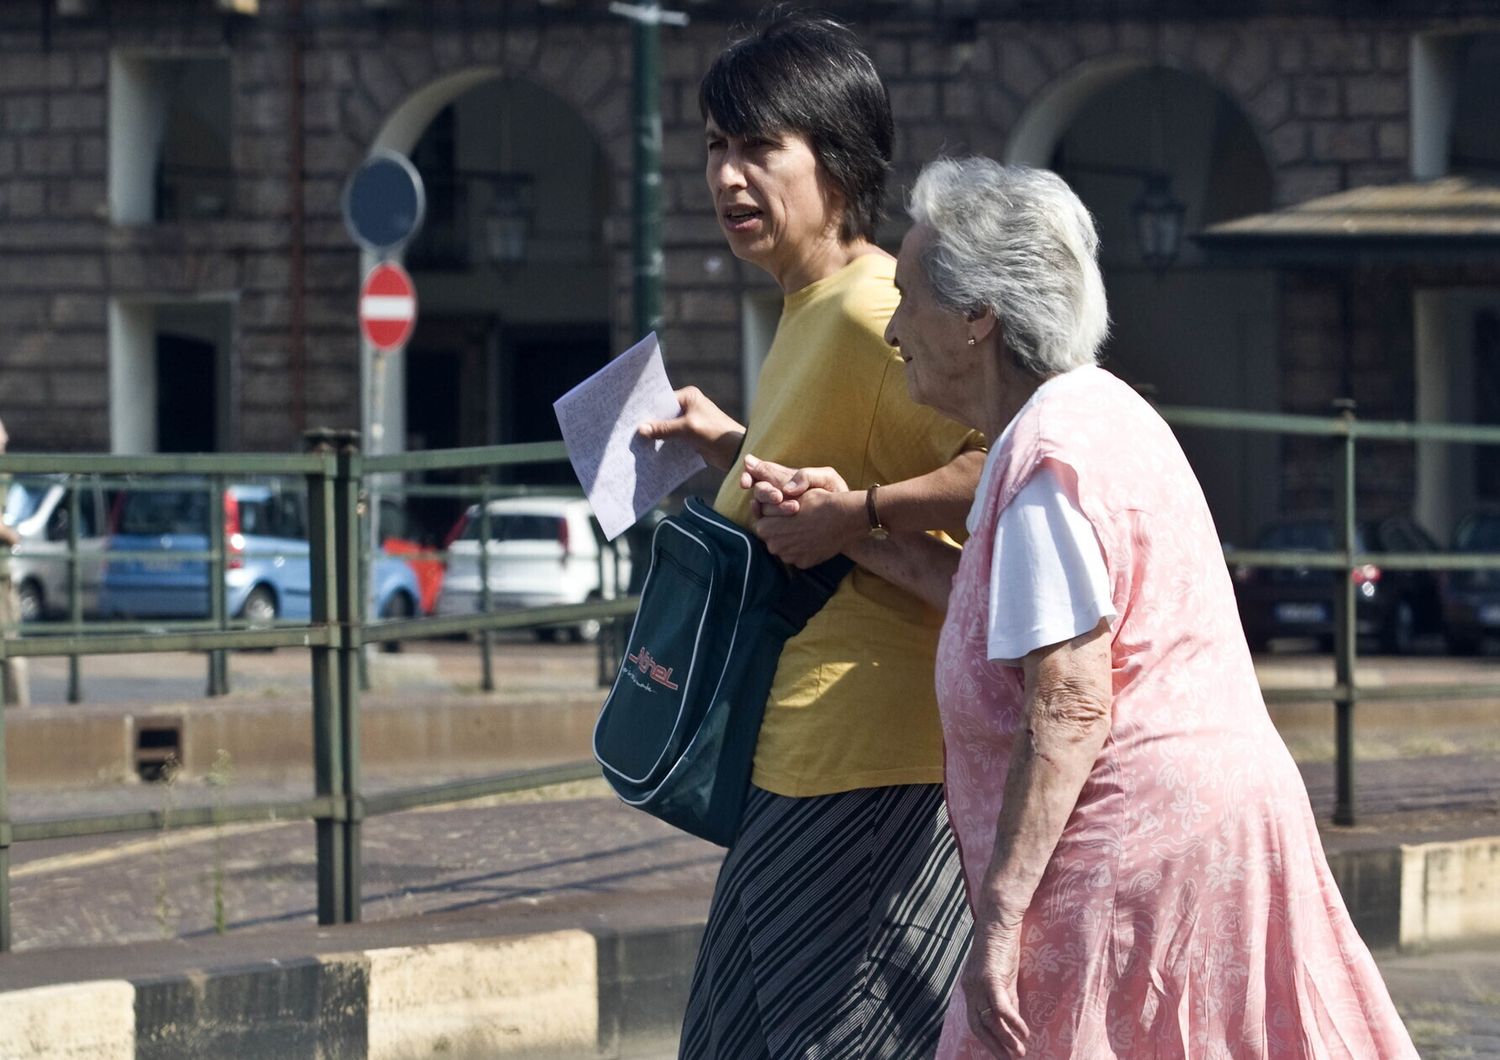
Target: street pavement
[(1450, 1001), (573, 857)]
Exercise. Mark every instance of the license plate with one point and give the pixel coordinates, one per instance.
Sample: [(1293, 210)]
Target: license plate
[(1301, 614), (161, 565), (1489, 615)]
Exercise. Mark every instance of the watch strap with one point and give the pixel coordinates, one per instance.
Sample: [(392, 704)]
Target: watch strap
[(877, 528)]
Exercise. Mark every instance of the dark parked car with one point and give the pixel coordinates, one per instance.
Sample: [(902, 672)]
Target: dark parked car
[(1471, 599), (1391, 606)]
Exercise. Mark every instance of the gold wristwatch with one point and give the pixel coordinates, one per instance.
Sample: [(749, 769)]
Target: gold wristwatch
[(878, 530)]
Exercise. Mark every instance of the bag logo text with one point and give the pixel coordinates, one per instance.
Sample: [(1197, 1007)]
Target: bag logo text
[(643, 661)]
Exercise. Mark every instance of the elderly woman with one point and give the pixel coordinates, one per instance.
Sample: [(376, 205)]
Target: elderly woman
[(1143, 866), (838, 922)]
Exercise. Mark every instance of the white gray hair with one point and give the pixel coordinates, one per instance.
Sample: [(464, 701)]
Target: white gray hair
[(1018, 242)]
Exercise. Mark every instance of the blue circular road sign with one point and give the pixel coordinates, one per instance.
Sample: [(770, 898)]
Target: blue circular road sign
[(384, 202)]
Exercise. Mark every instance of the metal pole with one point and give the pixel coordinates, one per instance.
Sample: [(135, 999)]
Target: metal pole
[(608, 590), (75, 580), (646, 101), (1346, 631), (218, 659), (5, 834), (364, 562), (327, 687), (352, 675), (486, 636)]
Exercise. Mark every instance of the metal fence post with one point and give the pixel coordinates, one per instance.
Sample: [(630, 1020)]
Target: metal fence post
[(5, 833), (75, 583), (352, 582), (1346, 630), (608, 640), (327, 686), (486, 636), (218, 659), (364, 565)]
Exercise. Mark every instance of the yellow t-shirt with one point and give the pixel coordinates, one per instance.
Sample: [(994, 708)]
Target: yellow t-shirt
[(852, 705)]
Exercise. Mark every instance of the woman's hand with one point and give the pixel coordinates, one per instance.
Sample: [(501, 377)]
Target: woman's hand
[(804, 516), (778, 489), (989, 985), (1069, 694), (703, 425)]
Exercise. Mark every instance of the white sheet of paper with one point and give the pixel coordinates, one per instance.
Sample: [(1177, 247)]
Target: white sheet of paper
[(623, 474)]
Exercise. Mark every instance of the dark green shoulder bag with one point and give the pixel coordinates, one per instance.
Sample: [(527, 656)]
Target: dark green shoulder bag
[(676, 736)]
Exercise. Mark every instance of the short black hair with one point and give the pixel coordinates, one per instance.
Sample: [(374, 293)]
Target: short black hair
[(805, 73)]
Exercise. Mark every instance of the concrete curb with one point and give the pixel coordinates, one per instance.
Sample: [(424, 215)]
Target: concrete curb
[(569, 995), (566, 995)]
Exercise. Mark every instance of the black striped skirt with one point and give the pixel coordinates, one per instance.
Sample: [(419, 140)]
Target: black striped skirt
[(838, 926)]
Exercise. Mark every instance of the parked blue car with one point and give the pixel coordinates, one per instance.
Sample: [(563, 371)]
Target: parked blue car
[(267, 569)]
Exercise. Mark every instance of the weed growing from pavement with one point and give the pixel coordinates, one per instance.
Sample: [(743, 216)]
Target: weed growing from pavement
[(219, 776), (168, 780)]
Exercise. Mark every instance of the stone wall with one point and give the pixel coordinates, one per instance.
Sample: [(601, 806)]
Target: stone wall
[(1326, 97)]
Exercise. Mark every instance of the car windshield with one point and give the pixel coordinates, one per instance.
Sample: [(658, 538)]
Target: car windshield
[(515, 527), (1479, 534), (21, 501), (174, 512)]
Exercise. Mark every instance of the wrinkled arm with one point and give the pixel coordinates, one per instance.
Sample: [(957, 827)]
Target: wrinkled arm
[(921, 564), (938, 500), (1068, 701)]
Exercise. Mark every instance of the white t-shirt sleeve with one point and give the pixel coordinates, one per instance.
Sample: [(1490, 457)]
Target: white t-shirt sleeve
[(1048, 579)]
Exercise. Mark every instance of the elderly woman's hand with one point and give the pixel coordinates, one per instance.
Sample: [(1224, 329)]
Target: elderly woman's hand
[(778, 489), (989, 985), (803, 516)]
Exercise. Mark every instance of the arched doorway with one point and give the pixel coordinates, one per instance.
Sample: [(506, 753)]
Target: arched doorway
[(511, 273), (1195, 332), (511, 267)]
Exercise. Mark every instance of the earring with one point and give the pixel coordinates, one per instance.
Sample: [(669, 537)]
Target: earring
[(971, 340)]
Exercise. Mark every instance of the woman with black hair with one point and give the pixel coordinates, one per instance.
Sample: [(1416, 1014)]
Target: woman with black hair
[(838, 922)]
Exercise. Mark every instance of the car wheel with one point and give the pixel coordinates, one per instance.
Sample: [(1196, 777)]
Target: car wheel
[(29, 594), (259, 608), (398, 606), (548, 634), (1400, 635), (587, 631)]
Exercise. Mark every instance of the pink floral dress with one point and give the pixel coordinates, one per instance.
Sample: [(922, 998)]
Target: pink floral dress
[(1188, 910)]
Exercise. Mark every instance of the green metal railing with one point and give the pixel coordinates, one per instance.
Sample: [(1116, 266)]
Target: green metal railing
[(336, 477), (1344, 432), (339, 479)]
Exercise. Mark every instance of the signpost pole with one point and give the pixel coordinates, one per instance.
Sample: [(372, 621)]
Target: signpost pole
[(384, 206)]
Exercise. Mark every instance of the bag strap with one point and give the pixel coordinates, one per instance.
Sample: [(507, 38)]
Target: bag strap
[(808, 590)]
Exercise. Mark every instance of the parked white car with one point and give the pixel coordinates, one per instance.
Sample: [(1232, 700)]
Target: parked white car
[(38, 509), (543, 551)]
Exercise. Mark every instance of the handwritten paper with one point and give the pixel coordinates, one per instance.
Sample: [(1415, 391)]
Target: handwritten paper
[(623, 474)]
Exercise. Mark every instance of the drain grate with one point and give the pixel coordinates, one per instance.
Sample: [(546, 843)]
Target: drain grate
[(157, 749)]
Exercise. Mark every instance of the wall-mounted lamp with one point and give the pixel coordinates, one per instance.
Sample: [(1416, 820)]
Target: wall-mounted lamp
[(507, 222), (1158, 216)]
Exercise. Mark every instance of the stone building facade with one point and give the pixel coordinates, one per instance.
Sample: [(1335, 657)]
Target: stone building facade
[(261, 277)]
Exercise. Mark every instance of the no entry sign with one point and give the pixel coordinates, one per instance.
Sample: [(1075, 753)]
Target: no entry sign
[(387, 306)]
